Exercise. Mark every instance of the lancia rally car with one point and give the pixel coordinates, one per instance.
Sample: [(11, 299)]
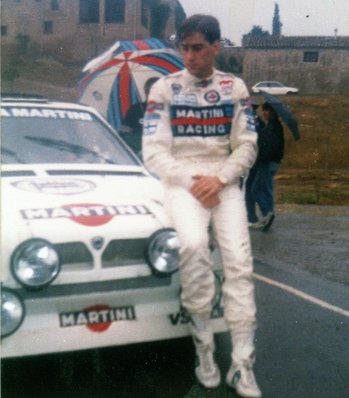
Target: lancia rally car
[(88, 256)]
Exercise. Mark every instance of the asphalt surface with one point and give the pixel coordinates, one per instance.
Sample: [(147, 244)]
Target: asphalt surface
[(302, 341)]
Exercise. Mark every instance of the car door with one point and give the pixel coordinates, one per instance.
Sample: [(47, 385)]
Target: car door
[(276, 88)]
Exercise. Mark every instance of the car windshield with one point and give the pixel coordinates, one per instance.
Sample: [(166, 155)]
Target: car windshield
[(46, 135)]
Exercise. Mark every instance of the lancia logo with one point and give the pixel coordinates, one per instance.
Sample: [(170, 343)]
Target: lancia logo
[(97, 242)]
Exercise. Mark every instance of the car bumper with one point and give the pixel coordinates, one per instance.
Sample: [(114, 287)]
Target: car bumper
[(88, 321)]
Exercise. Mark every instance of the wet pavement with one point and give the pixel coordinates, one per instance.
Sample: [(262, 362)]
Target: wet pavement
[(302, 294), (310, 238)]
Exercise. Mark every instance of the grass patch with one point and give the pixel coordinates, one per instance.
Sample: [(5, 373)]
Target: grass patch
[(300, 198)]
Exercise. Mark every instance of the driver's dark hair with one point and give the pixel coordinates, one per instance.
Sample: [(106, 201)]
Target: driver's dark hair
[(206, 25)]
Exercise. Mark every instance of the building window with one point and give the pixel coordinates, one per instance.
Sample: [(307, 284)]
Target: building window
[(311, 56), (3, 30), (114, 10), (48, 27), (145, 15), (89, 11), (54, 5)]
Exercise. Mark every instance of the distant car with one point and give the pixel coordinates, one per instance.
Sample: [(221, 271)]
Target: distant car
[(274, 88), (88, 255)]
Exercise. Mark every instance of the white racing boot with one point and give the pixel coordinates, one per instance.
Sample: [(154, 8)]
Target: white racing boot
[(206, 369), (241, 378), (240, 375)]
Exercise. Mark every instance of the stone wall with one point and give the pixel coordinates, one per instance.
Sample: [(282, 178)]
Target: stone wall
[(329, 75), (71, 40)]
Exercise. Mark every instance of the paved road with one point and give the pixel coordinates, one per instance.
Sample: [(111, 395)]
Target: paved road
[(302, 293)]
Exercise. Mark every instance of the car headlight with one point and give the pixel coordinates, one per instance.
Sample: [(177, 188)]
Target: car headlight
[(12, 312), (35, 263), (163, 251)]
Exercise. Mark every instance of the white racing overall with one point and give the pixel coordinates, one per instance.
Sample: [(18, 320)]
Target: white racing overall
[(206, 127)]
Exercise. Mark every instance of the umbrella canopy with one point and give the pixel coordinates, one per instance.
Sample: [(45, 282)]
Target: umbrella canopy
[(284, 113), (115, 81), (121, 46)]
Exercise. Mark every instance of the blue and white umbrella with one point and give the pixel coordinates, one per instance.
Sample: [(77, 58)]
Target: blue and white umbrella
[(114, 81)]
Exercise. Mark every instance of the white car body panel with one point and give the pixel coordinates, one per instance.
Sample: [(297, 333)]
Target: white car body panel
[(100, 217)]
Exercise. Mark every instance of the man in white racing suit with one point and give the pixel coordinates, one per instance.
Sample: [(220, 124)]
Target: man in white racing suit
[(199, 138)]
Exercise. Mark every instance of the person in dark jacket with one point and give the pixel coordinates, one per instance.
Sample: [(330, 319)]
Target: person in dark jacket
[(260, 184), (132, 128)]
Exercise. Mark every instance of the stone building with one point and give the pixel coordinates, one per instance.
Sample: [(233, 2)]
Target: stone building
[(76, 30), (314, 64)]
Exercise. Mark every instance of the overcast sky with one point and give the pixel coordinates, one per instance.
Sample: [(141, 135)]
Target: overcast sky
[(299, 17)]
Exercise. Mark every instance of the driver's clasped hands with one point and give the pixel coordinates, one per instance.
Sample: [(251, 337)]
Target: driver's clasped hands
[(206, 190)]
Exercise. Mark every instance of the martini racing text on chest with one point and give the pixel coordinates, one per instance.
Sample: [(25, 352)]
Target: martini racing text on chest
[(205, 111)]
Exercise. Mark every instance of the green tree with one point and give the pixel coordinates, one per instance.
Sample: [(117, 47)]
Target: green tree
[(160, 13), (276, 21), (257, 31)]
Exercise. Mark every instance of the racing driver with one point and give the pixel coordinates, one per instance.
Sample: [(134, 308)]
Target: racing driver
[(199, 138)]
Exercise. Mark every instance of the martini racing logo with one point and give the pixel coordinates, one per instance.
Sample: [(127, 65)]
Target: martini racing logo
[(46, 113), (90, 215), (207, 121), (212, 96), (97, 318)]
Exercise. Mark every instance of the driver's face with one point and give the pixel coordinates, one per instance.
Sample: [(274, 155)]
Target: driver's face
[(199, 55)]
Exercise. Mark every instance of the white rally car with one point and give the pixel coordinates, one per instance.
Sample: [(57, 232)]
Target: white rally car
[(88, 257)]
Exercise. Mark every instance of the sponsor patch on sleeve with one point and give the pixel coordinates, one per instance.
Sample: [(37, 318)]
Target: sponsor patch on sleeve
[(152, 116), (249, 112), (149, 127), (153, 106)]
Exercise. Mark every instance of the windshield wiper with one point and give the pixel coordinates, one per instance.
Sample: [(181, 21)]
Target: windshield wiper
[(13, 154), (68, 147)]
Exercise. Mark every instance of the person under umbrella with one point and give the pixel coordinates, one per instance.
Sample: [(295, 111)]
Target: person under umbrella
[(284, 113), (260, 184), (132, 128)]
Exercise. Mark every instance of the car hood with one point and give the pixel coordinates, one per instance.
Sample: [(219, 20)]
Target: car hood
[(88, 198)]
